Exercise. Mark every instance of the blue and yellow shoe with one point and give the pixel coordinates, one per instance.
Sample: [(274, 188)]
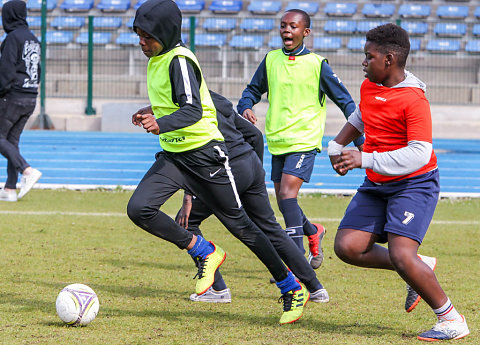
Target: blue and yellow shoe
[(207, 268), (293, 304)]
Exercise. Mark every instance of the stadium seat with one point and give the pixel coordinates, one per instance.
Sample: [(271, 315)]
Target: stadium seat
[(210, 40), (310, 7), (415, 44), (327, 43), (275, 42), (473, 46), (364, 26), (2, 38), (77, 5), (257, 24), (414, 11), (450, 29), (191, 6), (476, 30), (415, 28), (138, 4), (443, 46), (99, 38), (226, 6), (129, 23), (476, 13), (265, 7), (107, 23), (36, 5), (246, 41), (34, 22), (127, 39), (186, 23), (356, 43), (113, 5), (336, 9), (340, 26), (69, 23), (219, 24), (378, 10), (452, 12), (59, 37)]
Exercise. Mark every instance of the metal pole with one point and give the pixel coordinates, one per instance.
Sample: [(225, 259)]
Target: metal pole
[(192, 34), (89, 110), (43, 121)]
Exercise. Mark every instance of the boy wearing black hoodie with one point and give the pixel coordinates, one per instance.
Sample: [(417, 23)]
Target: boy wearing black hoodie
[(19, 79), (194, 157)]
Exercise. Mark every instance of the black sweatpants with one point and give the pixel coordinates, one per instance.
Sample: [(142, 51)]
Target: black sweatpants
[(14, 114), (250, 179), (205, 173)]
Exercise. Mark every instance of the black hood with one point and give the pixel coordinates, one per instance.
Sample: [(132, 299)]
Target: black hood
[(162, 20), (222, 104), (14, 15)]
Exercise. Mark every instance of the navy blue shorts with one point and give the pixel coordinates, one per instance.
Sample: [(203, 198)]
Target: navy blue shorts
[(403, 208), (299, 164)]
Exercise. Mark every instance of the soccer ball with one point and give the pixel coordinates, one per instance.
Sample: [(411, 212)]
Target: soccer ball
[(77, 304)]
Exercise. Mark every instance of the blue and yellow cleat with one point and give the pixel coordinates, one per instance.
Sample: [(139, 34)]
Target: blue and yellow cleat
[(293, 304)]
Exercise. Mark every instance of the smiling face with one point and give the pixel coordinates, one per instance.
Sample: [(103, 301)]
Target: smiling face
[(376, 64), (293, 30), (150, 46)]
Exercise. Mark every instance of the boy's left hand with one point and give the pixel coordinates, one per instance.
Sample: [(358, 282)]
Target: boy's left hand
[(149, 123), (348, 160)]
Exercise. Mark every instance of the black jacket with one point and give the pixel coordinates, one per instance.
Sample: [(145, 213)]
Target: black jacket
[(20, 54)]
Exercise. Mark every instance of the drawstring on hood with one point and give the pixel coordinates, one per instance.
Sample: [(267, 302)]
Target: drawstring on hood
[(162, 20), (14, 15)]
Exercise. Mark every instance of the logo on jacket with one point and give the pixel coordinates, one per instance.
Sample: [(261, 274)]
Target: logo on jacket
[(380, 98)]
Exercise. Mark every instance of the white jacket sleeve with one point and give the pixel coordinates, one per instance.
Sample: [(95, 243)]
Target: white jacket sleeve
[(399, 162)]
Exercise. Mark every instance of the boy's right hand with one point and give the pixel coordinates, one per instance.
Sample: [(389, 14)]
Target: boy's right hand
[(249, 115), (136, 120)]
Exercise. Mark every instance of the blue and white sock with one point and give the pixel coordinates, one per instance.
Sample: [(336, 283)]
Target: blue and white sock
[(201, 248), (288, 284), (447, 312), (292, 214), (308, 228)]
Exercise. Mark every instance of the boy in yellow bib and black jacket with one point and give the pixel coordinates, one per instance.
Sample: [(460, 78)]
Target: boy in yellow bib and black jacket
[(194, 157)]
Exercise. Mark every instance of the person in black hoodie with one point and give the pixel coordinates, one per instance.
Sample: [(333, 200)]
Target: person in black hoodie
[(19, 79), (245, 147), (194, 157)]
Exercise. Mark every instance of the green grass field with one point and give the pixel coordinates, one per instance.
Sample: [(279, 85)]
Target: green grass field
[(54, 238)]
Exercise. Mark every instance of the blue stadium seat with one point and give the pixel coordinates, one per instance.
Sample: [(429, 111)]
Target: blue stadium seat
[(476, 13), (415, 44), (443, 46), (340, 26), (246, 41), (473, 47), (452, 12), (210, 40), (129, 23), (414, 11), (2, 38), (275, 42), (186, 23), (127, 39), (378, 10), (310, 7), (450, 29), (476, 30), (107, 23), (415, 28), (69, 22), (59, 37), (257, 24), (36, 5), (113, 5), (185, 37), (77, 5), (265, 7), (99, 38), (191, 6), (219, 24), (34, 22), (337, 9), (327, 43), (226, 6), (356, 43), (364, 26)]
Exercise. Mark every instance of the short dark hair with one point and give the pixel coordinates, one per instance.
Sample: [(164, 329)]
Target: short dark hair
[(391, 38), (305, 15)]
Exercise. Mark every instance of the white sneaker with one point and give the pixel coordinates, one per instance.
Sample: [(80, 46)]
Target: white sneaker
[(413, 298), (446, 330), (213, 296), (28, 181), (320, 296), (8, 195)]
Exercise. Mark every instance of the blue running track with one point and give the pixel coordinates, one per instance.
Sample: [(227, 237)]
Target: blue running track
[(98, 159)]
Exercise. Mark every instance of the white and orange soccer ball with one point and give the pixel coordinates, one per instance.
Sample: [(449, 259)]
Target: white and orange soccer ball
[(77, 305)]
